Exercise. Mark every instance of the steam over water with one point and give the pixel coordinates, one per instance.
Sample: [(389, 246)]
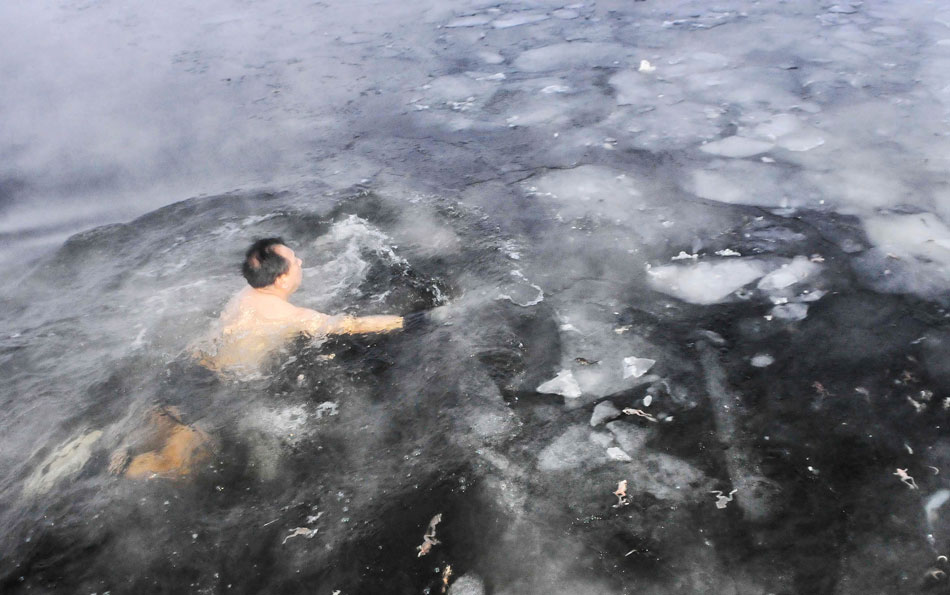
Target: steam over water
[(686, 267)]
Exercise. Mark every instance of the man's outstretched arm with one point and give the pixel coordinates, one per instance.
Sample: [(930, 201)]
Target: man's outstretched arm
[(350, 325), (317, 323)]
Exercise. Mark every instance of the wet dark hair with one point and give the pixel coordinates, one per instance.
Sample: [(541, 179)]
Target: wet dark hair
[(262, 265)]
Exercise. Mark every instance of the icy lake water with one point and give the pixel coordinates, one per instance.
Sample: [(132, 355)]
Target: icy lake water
[(686, 266)]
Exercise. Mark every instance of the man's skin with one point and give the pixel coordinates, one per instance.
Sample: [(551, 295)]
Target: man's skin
[(255, 323)]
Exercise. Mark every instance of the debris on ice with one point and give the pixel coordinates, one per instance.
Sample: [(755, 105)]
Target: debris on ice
[(563, 384), (429, 540), (302, 531)]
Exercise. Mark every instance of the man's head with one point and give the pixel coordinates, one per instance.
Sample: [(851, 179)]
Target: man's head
[(269, 262)]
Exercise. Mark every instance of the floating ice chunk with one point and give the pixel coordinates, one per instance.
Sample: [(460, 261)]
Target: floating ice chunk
[(736, 146), (616, 454), (843, 9), (630, 437), (922, 236), (633, 88), (563, 384), (516, 20), (811, 296), (636, 366), (570, 55), (646, 67), (715, 186), (934, 502), (778, 126), (604, 411), (794, 272), (520, 292), (566, 14), (469, 21), (727, 252), (491, 57), (792, 312), (498, 76), (574, 448), (805, 140), (763, 360), (647, 400), (707, 282)]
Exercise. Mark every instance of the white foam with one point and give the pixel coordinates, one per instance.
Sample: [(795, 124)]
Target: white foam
[(707, 282)]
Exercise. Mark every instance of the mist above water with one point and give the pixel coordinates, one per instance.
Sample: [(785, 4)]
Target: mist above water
[(686, 268)]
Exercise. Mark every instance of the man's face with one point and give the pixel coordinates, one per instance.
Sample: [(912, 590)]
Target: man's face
[(294, 274)]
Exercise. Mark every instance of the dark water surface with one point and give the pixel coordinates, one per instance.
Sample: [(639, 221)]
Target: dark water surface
[(763, 217)]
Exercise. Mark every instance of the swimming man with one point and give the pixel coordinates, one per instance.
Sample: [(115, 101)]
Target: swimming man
[(260, 318)]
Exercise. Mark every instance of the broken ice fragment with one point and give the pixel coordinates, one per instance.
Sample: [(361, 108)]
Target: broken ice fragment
[(616, 454), (645, 66), (604, 411), (563, 384), (721, 500), (794, 272), (801, 141), (763, 360), (636, 366), (791, 312), (727, 252), (647, 400), (736, 147)]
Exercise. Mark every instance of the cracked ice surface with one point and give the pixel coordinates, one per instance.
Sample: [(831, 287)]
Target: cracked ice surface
[(752, 195)]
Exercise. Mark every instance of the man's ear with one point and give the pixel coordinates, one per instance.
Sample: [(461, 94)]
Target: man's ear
[(281, 281)]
